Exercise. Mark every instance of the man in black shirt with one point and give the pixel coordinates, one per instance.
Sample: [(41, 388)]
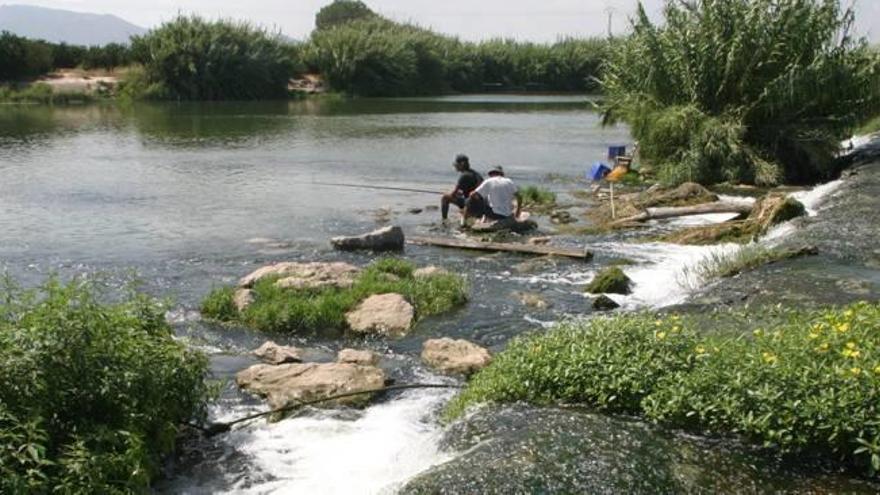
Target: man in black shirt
[(468, 181)]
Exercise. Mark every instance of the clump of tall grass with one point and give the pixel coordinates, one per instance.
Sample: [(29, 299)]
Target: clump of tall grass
[(295, 310), (40, 93), (537, 196), (739, 90)]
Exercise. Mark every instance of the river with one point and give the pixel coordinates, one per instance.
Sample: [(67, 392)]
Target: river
[(190, 197)]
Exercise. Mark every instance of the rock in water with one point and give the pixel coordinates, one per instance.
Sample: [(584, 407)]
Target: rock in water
[(352, 356), (272, 353), (242, 299), (304, 275), (385, 239), (386, 314), (455, 356), (611, 280), (532, 300), (604, 303), (289, 384)]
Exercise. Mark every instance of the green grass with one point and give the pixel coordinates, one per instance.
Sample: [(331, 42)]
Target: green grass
[(870, 127), (292, 310), (91, 394), (806, 385), (537, 196), (39, 93)]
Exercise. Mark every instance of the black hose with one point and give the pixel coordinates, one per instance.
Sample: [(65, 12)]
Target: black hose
[(220, 428)]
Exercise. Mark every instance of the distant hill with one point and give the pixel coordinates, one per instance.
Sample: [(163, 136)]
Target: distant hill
[(66, 26)]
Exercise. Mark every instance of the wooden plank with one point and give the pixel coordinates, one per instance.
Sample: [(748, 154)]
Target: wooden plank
[(683, 211), (467, 244)]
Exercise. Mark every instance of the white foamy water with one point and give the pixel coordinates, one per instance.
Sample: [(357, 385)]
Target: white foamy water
[(373, 454)]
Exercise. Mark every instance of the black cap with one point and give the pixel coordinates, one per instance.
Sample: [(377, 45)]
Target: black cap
[(497, 170), (461, 158)]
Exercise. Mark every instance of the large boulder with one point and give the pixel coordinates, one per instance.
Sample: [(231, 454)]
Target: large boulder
[(272, 353), (289, 384), (353, 356), (304, 275), (604, 303), (386, 314), (385, 239), (455, 356), (611, 280)]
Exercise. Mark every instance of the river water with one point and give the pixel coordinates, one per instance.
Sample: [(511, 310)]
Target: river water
[(189, 197)]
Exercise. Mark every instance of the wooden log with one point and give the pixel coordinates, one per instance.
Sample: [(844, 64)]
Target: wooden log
[(468, 244), (683, 211)]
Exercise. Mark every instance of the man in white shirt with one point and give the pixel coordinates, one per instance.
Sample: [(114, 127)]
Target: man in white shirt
[(494, 199)]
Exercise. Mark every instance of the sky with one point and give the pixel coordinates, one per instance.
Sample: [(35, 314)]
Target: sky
[(541, 20)]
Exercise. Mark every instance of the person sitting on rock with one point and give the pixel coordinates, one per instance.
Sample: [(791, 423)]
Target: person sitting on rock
[(497, 198), (468, 181)]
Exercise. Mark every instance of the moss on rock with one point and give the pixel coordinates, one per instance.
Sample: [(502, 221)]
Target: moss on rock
[(611, 280)]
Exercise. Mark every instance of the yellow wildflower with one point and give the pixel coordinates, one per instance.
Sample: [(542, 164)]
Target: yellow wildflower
[(823, 348), (855, 371), (877, 369), (843, 327), (758, 333), (661, 335), (851, 353), (851, 345), (848, 313), (814, 336), (658, 322), (770, 358), (700, 350)]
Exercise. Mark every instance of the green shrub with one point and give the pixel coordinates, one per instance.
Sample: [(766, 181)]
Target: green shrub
[(806, 384), (21, 58), (194, 59), (290, 310), (738, 90), (537, 196), (40, 93), (91, 394)]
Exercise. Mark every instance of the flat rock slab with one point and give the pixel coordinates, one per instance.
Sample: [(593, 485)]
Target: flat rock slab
[(455, 356), (305, 275), (385, 239), (272, 353), (385, 314), (290, 384), (353, 356)]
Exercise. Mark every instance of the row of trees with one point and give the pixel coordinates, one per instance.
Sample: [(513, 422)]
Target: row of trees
[(360, 52), (22, 58)]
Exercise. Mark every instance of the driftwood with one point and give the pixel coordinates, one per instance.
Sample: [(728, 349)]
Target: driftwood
[(467, 244), (683, 211)]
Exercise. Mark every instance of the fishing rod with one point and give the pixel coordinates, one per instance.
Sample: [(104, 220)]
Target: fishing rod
[(220, 428), (365, 186)]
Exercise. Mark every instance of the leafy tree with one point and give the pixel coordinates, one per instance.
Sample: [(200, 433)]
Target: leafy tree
[(21, 58), (342, 11)]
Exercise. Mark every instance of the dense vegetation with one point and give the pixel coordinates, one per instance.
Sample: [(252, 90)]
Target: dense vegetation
[(290, 310), (758, 91), (91, 394), (362, 53), (190, 58), (806, 383), (22, 58)]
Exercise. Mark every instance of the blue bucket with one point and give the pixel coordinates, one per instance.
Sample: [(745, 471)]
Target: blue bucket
[(598, 171), (615, 151)]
